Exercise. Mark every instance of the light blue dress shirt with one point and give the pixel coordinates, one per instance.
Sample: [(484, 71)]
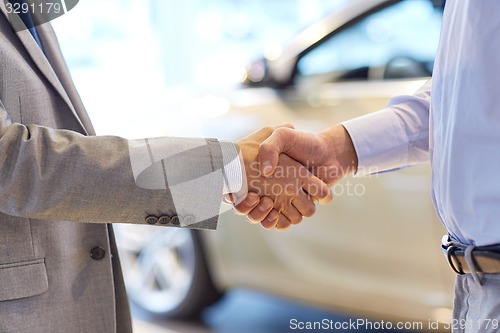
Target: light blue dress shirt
[(458, 129)]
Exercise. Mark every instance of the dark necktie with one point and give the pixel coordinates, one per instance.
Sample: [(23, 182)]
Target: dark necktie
[(28, 21)]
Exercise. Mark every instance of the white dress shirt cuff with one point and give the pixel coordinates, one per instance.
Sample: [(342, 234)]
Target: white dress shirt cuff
[(380, 141), (233, 172)]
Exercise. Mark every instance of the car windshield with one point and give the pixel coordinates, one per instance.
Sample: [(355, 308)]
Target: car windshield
[(401, 40)]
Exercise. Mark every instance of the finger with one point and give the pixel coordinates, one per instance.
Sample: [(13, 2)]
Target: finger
[(287, 125), (248, 204), (228, 199), (271, 220), (259, 213), (318, 189), (304, 204), (283, 223), (292, 214), (271, 148)]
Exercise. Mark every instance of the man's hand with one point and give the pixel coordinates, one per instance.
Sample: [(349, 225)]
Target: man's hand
[(286, 195), (330, 155)]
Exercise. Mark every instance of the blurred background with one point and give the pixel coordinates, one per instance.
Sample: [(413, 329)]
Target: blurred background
[(224, 68), (157, 51)]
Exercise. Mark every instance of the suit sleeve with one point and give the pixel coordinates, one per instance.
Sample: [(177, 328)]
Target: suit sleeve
[(59, 175), (394, 137)]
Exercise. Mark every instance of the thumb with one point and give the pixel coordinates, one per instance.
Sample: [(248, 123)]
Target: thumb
[(271, 148)]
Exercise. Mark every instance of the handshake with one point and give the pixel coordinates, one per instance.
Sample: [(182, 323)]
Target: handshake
[(287, 171)]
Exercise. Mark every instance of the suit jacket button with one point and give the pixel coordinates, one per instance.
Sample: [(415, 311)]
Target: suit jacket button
[(175, 220), (189, 219), (97, 253), (164, 220), (151, 220)]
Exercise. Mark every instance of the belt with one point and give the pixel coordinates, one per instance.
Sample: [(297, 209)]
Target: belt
[(486, 258)]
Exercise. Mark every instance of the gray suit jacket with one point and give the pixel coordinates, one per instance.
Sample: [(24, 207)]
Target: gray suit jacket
[(60, 187)]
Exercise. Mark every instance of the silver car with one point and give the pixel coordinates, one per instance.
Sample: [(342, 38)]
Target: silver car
[(374, 251)]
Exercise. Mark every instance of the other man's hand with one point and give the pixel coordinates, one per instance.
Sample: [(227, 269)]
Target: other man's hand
[(330, 155), (286, 195)]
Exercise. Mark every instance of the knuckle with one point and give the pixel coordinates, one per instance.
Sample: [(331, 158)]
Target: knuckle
[(266, 224), (326, 194), (265, 146), (283, 225), (238, 210), (266, 204), (326, 200), (254, 218), (283, 228), (329, 196), (272, 216), (287, 125), (296, 219), (281, 131), (309, 211), (268, 129), (250, 219)]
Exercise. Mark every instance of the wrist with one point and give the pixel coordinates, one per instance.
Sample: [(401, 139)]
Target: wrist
[(339, 142)]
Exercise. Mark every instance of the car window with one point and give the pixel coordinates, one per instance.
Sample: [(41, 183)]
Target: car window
[(399, 41)]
